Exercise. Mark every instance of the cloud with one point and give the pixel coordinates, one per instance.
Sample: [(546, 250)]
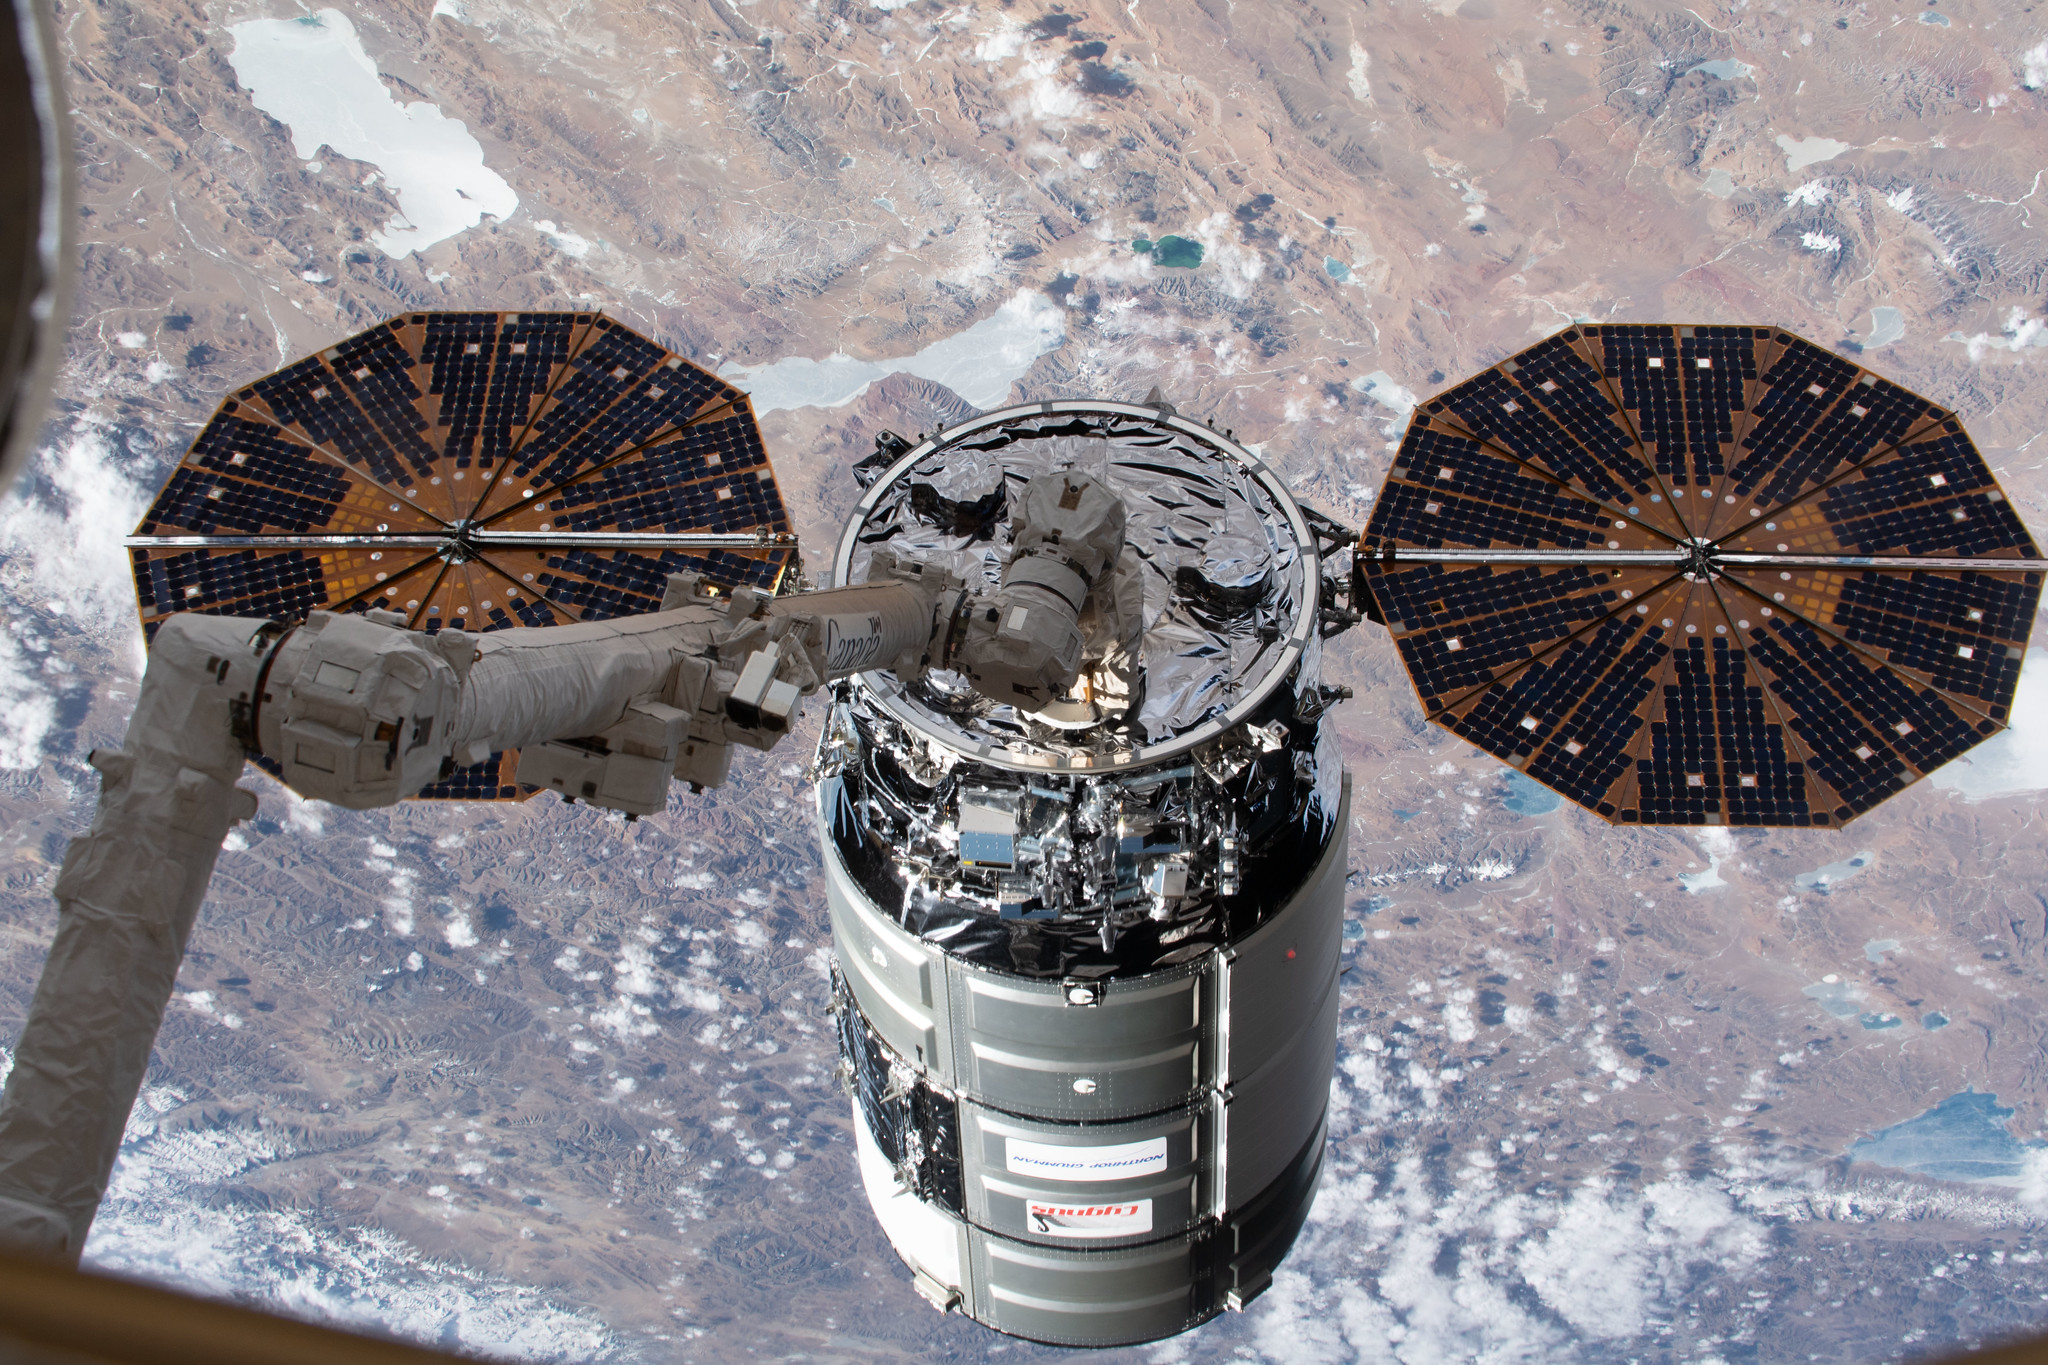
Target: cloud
[(2034, 66), (398, 906), (28, 709), (61, 556), (1428, 1254), (2033, 1189), (172, 1215), (1487, 1273), (1611, 1259), (305, 817), (1233, 267), (2020, 333), (1003, 42), (1046, 95), (62, 526), (1430, 1291)]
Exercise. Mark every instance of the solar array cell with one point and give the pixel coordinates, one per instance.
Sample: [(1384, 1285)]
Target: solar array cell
[(532, 350), (490, 780), (1934, 496), (659, 404), (284, 585), (1678, 780), (204, 503), (457, 349), (607, 370), (382, 442), (1849, 712), (1452, 489), (600, 585), (1952, 631), (376, 371), (239, 448), (1551, 409), (1545, 700), (1587, 749), (1461, 628), (1685, 390), (1816, 413)]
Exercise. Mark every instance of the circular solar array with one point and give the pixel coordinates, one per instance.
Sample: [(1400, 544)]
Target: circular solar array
[(1702, 575), (470, 471)]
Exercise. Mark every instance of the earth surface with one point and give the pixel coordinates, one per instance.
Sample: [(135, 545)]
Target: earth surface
[(525, 1081)]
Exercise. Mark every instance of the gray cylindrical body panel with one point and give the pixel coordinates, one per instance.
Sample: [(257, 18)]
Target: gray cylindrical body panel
[(1211, 1087), (1087, 959)]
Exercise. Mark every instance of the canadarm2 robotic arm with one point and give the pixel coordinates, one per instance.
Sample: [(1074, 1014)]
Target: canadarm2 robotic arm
[(360, 712)]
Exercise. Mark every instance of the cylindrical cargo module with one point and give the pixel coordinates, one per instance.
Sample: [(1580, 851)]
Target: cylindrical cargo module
[(1087, 955)]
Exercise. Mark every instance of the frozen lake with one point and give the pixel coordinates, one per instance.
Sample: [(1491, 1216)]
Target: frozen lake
[(1963, 1138), (1826, 878), (1526, 796), (1842, 999), (1803, 152), (312, 75), (980, 364), (2015, 759), (1388, 392), (1726, 69)]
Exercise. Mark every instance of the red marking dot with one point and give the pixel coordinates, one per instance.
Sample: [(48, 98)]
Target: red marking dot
[(1290, 953)]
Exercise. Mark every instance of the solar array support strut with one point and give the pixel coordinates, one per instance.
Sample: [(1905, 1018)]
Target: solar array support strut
[(1678, 557)]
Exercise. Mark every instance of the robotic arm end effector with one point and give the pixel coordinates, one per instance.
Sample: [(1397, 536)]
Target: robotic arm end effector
[(1022, 645)]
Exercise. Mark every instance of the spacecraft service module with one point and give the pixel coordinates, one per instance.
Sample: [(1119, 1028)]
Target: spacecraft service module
[(1083, 822), (1087, 980)]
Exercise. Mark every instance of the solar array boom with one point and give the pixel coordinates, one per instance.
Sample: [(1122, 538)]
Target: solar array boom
[(504, 540), (1678, 558)]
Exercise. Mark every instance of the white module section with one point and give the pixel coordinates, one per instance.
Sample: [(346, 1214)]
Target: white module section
[(925, 1238)]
